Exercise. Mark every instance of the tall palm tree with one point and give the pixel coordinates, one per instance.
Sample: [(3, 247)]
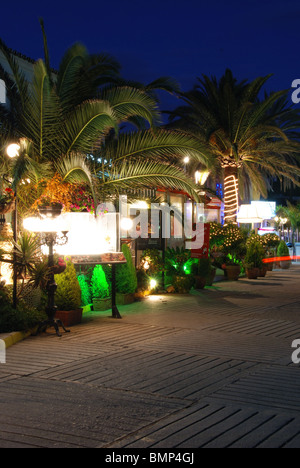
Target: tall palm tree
[(64, 117), (292, 214), (254, 140)]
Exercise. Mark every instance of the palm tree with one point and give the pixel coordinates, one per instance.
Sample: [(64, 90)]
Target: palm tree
[(292, 214), (253, 139), (60, 127)]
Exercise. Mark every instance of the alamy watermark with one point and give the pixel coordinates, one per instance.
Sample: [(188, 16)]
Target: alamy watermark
[(296, 353), (179, 221), (296, 93)]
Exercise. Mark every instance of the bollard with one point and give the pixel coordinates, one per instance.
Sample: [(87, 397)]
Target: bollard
[(2, 352)]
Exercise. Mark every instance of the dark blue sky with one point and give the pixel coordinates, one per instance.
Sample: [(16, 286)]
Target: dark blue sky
[(181, 39)]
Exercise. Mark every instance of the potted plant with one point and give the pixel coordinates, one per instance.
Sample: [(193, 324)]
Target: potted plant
[(68, 296), (254, 259), (49, 208), (203, 272), (7, 200), (284, 253), (126, 279), (232, 268), (86, 297), (178, 266), (100, 290)]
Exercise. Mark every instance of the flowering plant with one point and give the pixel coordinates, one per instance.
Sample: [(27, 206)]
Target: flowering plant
[(83, 201), (7, 197)]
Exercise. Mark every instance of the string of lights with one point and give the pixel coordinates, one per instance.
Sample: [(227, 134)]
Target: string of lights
[(231, 199)]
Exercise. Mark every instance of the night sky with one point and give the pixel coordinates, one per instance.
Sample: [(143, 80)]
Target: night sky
[(181, 39)]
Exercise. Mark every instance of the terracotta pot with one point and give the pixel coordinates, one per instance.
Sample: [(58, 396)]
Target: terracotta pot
[(69, 317), (233, 272), (252, 273), (262, 272), (286, 264)]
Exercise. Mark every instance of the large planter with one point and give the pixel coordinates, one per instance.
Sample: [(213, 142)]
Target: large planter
[(69, 317), (233, 272), (285, 264), (100, 304), (124, 299), (262, 272), (252, 273)]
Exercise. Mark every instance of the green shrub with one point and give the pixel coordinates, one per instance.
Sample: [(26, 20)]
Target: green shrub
[(126, 277), (86, 297), (283, 250), (21, 319), (99, 285), (68, 294), (254, 256)]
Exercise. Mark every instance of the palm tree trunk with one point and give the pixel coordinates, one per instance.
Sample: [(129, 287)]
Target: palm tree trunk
[(231, 194)]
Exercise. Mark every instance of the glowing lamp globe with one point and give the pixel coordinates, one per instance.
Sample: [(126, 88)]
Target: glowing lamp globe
[(13, 150)]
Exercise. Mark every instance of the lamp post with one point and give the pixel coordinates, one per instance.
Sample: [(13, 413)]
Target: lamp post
[(51, 235), (13, 151)]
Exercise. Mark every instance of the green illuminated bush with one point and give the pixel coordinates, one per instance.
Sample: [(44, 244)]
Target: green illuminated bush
[(86, 297), (99, 284), (68, 294)]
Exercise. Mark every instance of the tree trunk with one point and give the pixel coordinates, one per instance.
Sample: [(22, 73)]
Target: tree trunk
[(231, 194)]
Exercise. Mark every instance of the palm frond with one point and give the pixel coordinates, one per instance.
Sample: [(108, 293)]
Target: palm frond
[(145, 174), (86, 125), (129, 102), (157, 145)]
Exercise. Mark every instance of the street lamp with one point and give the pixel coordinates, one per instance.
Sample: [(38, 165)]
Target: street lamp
[(186, 160), (13, 152), (52, 232)]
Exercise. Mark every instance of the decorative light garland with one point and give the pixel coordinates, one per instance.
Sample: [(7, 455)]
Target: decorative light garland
[(231, 199)]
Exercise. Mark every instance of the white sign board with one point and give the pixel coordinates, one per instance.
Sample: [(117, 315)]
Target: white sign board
[(90, 235)]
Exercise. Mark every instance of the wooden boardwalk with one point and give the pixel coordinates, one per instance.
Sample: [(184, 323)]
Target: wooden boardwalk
[(210, 369)]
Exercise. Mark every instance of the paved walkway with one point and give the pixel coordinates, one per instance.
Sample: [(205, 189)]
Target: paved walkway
[(211, 369)]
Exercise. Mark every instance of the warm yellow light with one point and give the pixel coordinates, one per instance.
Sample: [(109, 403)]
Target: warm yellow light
[(231, 192), (153, 284), (186, 160), (126, 224), (45, 224), (13, 150), (139, 204), (201, 177)]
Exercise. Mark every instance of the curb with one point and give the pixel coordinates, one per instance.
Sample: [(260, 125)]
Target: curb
[(12, 338)]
